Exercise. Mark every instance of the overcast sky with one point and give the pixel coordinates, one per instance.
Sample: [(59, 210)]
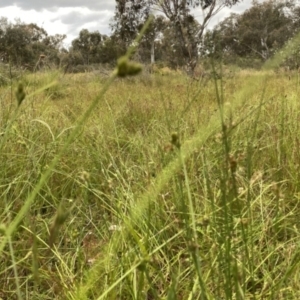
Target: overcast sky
[(70, 16)]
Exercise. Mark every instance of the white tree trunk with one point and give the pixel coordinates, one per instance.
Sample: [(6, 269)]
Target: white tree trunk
[(152, 53)]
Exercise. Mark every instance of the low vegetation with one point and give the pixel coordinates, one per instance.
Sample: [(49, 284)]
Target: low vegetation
[(150, 187), (155, 186)]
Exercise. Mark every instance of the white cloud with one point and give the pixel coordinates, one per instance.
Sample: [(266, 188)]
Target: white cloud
[(70, 16), (63, 20), (53, 4)]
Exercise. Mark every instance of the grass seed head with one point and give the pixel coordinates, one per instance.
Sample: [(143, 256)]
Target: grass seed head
[(20, 94), (175, 140), (127, 68), (233, 163), (84, 177)]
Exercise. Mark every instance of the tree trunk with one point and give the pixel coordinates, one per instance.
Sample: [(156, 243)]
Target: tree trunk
[(152, 53)]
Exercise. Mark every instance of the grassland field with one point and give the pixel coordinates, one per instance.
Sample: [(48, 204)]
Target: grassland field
[(150, 187)]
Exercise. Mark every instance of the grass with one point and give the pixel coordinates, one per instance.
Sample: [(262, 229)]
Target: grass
[(168, 189)]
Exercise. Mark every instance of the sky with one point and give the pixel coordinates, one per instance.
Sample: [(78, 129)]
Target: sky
[(70, 16)]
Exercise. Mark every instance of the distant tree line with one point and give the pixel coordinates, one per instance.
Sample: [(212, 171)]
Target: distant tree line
[(174, 39), (250, 38), (23, 44)]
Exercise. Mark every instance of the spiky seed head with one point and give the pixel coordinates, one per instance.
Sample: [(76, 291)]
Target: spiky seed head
[(85, 176), (122, 66), (134, 68), (127, 68), (233, 163), (20, 94), (175, 140)]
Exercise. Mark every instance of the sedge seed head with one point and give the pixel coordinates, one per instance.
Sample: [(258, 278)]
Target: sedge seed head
[(134, 68), (20, 94), (233, 163), (122, 66), (127, 68), (175, 140)]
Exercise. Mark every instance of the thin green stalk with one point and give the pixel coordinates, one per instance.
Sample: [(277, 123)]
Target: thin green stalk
[(14, 265), (194, 250), (44, 178)]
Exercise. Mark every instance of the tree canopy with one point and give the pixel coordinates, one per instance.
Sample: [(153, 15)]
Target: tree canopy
[(131, 14), (175, 38), (257, 33), (22, 44)]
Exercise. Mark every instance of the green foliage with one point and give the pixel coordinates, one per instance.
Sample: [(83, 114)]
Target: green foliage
[(22, 44), (257, 33), (129, 19), (89, 45), (154, 191), (187, 32), (181, 189)]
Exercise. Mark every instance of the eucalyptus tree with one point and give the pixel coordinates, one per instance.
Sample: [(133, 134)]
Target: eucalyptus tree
[(131, 14), (149, 49), (258, 32), (22, 44), (88, 44)]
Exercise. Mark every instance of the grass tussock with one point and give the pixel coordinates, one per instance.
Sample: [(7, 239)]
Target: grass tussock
[(170, 188)]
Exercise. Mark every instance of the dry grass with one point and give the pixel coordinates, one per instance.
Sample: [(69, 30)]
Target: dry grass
[(129, 213)]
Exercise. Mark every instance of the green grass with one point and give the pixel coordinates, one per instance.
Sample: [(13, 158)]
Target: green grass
[(159, 188)]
